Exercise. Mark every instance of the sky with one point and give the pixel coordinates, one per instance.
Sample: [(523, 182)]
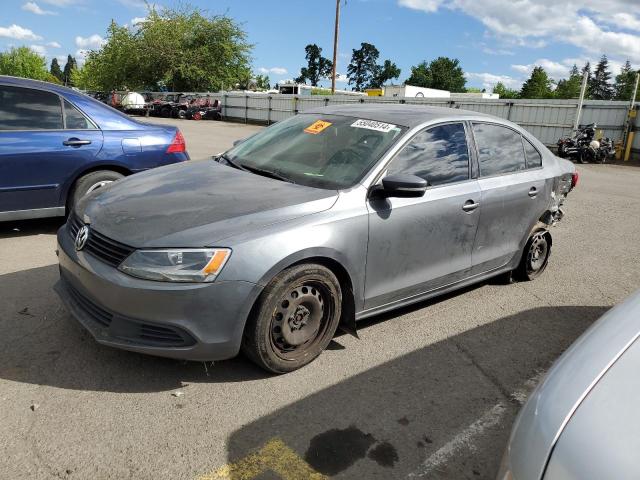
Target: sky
[(495, 40)]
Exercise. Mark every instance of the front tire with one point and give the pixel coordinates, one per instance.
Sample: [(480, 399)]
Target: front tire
[(91, 182), (535, 256), (294, 319)]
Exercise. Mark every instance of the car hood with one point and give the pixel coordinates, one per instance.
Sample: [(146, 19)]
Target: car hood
[(195, 204)]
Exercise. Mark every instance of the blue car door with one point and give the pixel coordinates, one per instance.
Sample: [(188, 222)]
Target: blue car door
[(44, 142)]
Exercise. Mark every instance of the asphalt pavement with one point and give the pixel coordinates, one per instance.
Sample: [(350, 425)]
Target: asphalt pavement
[(429, 391)]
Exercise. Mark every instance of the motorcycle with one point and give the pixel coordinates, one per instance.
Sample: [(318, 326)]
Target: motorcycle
[(583, 147)]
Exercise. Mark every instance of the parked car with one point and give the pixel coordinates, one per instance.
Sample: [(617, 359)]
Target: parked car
[(57, 145), (582, 422), (330, 216)]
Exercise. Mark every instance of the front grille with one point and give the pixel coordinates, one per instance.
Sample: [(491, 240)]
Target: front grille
[(161, 335), (129, 330), (97, 314), (100, 246)]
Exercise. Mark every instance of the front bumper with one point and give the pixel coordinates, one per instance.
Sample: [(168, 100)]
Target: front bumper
[(201, 321)]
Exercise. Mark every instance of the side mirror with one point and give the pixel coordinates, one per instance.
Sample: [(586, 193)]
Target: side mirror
[(404, 185), (238, 142)]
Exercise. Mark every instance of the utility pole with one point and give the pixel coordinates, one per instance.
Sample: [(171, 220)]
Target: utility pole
[(583, 89), (629, 134), (335, 48)]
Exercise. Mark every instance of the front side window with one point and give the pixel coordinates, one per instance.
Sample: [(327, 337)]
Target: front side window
[(74, 119), (322, 151), (439, 155), (500, 149), (534, 159), (29, 109)]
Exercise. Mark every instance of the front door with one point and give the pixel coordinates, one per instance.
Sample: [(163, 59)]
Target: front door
[(37, 153), (420, 244)]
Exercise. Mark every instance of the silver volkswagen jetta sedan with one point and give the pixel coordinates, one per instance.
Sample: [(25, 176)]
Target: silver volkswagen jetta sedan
[(329, 217)]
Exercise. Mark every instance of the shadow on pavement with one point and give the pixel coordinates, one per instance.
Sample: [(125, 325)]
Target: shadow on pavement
[(23, 228), (385, 422)]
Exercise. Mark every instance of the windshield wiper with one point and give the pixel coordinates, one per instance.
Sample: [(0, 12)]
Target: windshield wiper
[(231, 162), (266, 173)]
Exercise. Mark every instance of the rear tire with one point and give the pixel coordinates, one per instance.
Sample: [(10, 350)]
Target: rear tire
[(91, 182), (294, 319), (535, 256)]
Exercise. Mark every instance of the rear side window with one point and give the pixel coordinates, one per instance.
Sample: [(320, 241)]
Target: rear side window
[(534, 159), (74, 119), (500, 149), (29, 109), (439, 155)]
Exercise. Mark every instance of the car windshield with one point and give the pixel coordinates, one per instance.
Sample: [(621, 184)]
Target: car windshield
[(322, 151)]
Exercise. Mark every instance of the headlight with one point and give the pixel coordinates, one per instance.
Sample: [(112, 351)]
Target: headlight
[(177, 265)]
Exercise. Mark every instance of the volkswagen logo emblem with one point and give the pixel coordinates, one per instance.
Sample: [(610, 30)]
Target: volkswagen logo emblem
[(81, 237)]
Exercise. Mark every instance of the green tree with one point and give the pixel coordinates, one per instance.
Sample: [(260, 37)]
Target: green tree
[(262, 82), (570, 87), (318, 67), (183, 48), (420, 76), (116, 65), (443, 73), (55, 70), (385, 72), (625, 82), (363, 71), (505, 92), (600, 87), (538, 85), (24, 62), (68, 68)]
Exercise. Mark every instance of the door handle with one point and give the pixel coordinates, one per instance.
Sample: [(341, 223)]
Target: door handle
[(75, 142), (470, 206), (533, 192)]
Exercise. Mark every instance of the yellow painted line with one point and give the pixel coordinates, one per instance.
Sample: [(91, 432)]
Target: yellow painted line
[(274, 456)]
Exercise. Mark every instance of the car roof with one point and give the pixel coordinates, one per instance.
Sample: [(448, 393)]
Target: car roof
[(401, 114), (28, 82)]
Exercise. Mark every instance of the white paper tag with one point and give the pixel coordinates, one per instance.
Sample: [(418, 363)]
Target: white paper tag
[(373, 125)]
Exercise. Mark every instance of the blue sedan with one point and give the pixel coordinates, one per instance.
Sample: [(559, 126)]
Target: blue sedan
[(57, 145)]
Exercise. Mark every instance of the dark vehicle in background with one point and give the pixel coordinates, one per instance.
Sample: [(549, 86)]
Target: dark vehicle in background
[(583, 146), (204, 108), (328, 217), (170, 105), (57, 145)]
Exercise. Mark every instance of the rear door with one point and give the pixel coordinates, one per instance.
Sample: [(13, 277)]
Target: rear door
[(44, 141), (513, 194)]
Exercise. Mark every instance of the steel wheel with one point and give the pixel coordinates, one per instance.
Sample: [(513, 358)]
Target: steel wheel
[(536, 256), (294, 318), (299, 319)]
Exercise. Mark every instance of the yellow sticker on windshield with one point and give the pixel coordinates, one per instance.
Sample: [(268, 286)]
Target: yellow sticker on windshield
[(317, 126)]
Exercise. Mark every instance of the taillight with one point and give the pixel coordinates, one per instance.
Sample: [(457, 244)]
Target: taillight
[(574, 179), (177, 145)]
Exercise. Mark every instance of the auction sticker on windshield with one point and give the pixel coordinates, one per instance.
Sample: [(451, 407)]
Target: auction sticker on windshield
[(373, 125), (317, 127)]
